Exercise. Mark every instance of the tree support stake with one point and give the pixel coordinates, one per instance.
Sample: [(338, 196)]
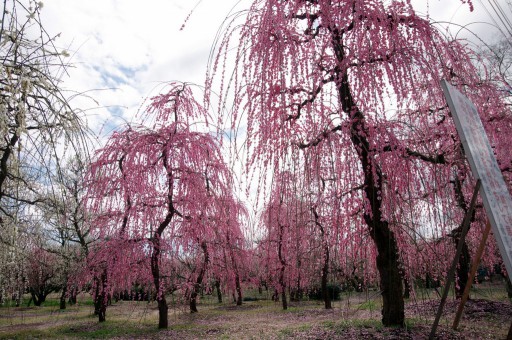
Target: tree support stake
[(451, 272), (471, 277)]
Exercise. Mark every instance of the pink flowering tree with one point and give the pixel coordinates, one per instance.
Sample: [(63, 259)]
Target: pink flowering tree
[(158, 193), (284, 218), (42, 274), (230, 251), (366, 73)]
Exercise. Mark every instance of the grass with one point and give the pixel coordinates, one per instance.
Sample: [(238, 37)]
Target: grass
[(107, 329), (291, 330), (356, 313), (370, 305), (343, 325)]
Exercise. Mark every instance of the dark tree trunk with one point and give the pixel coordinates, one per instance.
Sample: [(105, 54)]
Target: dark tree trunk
[(388, 261), (325, 272), (509, 287), (283, 298), (72, 296), (101, 309), (39, 295), (163, 311), (298, 294), (462, 270), (219, 292), (199, 280), (238, 286), (62, 303), (407, 286), (464, 264), (282, 283), (193, 302), (275, 296), (37, 298), (100, 298), (325, 266), (160, 293), (393, 309)]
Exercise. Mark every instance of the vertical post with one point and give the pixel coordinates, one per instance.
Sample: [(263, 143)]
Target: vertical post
[(451, 272), (471, 277)]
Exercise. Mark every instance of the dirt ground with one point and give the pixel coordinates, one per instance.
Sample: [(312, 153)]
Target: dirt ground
[(355, 318), (482, 320)]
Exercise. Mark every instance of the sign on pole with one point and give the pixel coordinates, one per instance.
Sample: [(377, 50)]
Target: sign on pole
[(495, 195)]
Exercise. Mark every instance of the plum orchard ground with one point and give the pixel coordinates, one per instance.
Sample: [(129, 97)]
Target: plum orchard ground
[(357, 316)]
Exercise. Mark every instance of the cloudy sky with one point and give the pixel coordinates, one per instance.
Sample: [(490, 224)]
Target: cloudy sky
[(124, 50)]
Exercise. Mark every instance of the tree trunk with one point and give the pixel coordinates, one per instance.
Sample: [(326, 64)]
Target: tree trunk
[(160, 293), (101, 309), (100, 306), (199, 280), (407, 287), (282, 283), (325, 272), (462, 270), (219, 292), (464, 264), (193, 301), (62, 304), (72, 295), (298, 289), (38, 300), (388, 262), (238, 286), (163, 311), (325, 266), (100, 298), (509, 287)]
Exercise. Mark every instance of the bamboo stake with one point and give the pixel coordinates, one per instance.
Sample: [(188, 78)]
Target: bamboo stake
[(474, 267), (451, 272)]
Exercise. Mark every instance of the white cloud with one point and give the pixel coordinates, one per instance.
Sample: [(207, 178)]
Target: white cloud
[(124, 49), (127, 47), (121, 50)]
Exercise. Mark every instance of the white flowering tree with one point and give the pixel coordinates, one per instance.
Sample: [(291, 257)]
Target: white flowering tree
[(38, 127)]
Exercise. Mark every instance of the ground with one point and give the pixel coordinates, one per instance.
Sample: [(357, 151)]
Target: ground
[(356, 316)]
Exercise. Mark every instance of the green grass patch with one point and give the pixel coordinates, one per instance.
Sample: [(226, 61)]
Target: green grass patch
[(107, 329), (292, 330), (285, 333), (329, 324), (343, 325), (304, 327), (369, 305)]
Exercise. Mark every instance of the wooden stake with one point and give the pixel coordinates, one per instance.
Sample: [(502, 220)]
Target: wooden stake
[(451, 271), (474, 267)]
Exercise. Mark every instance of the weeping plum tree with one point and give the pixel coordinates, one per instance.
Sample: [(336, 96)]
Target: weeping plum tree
[(367, 73), (160, 192), (284, 218), (303, 221), (229, 251)]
